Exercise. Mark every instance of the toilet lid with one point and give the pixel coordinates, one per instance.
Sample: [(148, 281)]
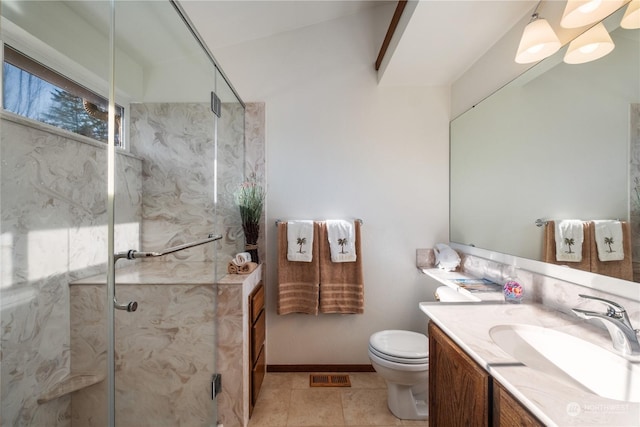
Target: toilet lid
[(400, 344)]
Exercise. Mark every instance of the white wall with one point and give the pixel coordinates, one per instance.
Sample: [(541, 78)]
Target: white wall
[(340, 146)]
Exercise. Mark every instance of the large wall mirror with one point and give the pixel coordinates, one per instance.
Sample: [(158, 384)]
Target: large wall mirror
[(560, 141)]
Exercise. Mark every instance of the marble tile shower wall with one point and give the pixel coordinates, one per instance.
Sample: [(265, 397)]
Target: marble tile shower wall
[(177, 144), (54, 230)]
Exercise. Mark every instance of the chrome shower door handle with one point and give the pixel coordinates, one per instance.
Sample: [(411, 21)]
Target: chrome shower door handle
[(131, 306), (133, 254)]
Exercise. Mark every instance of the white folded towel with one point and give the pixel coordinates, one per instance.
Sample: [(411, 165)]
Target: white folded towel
[(569, 239), (242, 258), (608, 235), (342, 240), (300, 241)]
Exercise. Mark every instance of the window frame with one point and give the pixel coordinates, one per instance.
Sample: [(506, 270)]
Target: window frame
[(20, 60), (35, 48)]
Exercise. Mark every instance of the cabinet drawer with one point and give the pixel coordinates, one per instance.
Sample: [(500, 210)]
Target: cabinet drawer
[(509, 412), (256, 302), (257, 336), (257, 375)]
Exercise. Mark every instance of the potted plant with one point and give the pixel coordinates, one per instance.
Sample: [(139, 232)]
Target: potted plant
[(250, 199)]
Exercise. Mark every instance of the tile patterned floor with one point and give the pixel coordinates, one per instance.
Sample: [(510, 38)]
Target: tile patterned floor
[(287, 400)]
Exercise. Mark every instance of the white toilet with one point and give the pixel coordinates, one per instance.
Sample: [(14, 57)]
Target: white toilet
[(402, 359)]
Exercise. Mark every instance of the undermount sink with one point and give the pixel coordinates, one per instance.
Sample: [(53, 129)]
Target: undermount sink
[(571, 360)]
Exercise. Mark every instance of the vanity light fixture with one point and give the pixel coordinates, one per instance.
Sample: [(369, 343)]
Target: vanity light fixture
[(631, 18), (593, 44), (580, 13), (538, 41)]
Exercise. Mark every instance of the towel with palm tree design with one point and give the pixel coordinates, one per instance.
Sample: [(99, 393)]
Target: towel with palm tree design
[(299, 240), (609, 240), (569, 239), (341, 235)]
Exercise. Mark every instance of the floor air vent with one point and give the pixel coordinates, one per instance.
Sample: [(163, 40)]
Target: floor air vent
[(324, 380)]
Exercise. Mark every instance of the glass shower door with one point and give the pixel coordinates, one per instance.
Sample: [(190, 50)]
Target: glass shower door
[(165, 350), (174, 166)]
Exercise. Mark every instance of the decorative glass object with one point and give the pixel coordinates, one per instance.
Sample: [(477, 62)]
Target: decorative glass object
[(513, 290)]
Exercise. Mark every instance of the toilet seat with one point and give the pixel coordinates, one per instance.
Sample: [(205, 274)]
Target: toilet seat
[(400, 346), (397, 360)]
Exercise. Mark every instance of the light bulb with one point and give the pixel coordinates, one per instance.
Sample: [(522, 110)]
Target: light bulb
[(631, 18), (535, 49), (580, 13), (589, 48), (538, 41), (590, 7)]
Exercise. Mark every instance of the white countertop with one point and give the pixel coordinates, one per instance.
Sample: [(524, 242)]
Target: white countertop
[(552, 401)]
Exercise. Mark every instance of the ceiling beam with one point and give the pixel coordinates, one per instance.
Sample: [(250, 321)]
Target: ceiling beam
[(392, 29)]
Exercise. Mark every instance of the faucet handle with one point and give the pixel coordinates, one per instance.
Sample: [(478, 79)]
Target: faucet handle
[(614, 309), (608, 303)]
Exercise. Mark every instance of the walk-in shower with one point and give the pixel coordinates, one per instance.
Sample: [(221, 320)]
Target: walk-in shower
[(117, 180)]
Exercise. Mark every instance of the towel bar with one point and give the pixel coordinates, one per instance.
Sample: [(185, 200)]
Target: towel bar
[(541, 222), (278, 221)]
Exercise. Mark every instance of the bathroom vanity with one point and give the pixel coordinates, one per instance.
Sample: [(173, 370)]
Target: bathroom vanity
[(536, 363), (469, 396), (465, 355)]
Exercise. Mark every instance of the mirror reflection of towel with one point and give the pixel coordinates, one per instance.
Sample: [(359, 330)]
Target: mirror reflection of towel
[(549, 247), (609, 240), (569, 239)]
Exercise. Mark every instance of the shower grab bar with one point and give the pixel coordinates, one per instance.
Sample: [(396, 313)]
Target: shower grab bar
[(133, 254)]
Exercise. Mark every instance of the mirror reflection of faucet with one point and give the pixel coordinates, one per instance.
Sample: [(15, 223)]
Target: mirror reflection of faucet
[(616, 320)]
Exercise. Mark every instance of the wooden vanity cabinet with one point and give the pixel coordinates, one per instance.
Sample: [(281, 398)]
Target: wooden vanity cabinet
[(459, 389), (463, 394), (508, 412), (257, 335)]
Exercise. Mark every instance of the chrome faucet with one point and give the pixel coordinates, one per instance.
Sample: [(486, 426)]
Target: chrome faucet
[(624, 337)]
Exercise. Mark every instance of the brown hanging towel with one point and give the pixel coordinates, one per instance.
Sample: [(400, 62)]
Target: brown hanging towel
[(549, 247), (298, 282), (622, 269), (341, 283)]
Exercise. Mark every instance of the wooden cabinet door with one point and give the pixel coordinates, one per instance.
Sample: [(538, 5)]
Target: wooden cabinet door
[(257, 338), (508, 412), (458, 386), (257, 376)]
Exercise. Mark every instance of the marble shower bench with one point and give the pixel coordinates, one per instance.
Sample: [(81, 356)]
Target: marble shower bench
[(186, 328)]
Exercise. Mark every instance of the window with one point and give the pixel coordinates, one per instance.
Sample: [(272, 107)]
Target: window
[(34, 91)]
